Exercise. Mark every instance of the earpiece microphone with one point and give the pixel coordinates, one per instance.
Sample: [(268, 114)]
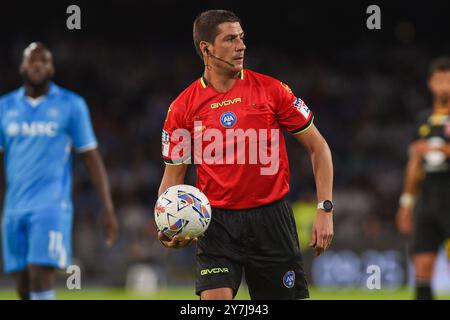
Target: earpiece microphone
[(220, 59)]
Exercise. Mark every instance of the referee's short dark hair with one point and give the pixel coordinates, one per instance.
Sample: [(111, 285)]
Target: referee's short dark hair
[(441, 64), (205, 26)]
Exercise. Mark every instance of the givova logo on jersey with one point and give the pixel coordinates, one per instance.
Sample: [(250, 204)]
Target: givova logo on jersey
[(33, 129)]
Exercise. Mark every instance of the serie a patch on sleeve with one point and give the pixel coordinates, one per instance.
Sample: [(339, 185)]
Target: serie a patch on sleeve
[(302, 107), (165, 140)]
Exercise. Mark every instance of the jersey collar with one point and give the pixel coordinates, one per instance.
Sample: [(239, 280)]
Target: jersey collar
[(204, 82)]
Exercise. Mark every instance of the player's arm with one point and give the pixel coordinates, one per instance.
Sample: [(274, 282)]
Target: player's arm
[(294, 115), (320, 154), (413, 177), (173, 174), (176, 161), (85, 143), (99, 177)]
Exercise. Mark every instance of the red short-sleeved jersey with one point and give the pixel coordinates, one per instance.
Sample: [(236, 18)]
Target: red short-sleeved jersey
[(235, 138)]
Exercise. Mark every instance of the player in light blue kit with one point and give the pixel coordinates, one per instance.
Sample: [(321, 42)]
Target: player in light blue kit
[(40, 124)]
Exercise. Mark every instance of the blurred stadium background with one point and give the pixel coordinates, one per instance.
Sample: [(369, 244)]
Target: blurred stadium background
[(131, 58)]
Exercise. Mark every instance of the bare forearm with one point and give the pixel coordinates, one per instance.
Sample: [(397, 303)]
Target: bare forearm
[(321, 160), (413, 175), (173, 175), (166, 183), (99, 179), (323, 171)]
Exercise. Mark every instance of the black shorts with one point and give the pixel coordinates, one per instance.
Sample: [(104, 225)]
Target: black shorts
[(432, 216), (263, 243)]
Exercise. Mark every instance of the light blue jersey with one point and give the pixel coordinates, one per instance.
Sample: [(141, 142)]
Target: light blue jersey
[(37, 142), (37, 138)]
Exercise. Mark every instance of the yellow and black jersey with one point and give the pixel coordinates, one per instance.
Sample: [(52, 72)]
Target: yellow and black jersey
[(436, 130)]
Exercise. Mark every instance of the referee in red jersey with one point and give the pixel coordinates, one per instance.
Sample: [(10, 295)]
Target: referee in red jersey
[(228, 123)]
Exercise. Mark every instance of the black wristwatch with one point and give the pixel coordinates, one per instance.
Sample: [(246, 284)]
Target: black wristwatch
[(325, 205)]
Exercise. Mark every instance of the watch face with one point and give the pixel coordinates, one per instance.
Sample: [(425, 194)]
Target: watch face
[(327, 205)]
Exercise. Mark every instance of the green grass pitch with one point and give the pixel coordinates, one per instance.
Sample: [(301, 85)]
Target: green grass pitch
[(188, 294)]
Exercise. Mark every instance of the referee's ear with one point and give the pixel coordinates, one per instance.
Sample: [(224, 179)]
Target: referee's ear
[(204, 48)]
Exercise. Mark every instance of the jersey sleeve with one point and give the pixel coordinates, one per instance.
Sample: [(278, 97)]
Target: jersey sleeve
[(292, 112), (175, 137), (82, 133)]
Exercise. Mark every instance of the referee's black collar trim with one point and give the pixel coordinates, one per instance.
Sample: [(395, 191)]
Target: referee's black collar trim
[(204, 83)]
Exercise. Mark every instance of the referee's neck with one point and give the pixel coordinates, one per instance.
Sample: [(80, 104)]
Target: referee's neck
[(221, 80)]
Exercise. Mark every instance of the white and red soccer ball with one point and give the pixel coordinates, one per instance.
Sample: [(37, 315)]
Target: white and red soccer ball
[(182, 210)]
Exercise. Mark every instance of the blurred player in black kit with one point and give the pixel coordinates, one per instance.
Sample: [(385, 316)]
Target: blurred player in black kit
[(425, 202)]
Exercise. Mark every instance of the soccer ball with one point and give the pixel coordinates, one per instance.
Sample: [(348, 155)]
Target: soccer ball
[(182, 210)]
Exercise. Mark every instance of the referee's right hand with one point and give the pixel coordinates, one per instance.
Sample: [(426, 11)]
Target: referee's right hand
[(174, 242)]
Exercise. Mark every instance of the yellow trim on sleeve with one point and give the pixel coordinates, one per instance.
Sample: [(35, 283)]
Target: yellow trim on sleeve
[(185, 161), (173, 164), (312, 120)]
